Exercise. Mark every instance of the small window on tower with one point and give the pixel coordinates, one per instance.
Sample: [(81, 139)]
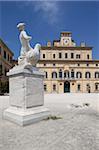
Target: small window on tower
[(53, 55), (88, 56), (43, 55)]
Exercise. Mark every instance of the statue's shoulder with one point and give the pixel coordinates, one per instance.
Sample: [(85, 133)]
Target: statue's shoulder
[(23, 32)]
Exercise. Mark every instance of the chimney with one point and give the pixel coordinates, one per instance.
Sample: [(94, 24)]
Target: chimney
[(83, 44), (49, 44)]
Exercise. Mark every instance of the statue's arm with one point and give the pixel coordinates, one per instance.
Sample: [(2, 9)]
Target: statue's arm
[(25, 36)]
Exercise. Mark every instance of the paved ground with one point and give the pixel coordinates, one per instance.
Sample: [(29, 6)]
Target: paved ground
[(77, 130)]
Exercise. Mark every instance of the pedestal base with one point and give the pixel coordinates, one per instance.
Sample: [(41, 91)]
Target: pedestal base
[(25, 117)]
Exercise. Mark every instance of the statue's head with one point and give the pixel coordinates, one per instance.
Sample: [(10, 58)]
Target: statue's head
[(21, 26)]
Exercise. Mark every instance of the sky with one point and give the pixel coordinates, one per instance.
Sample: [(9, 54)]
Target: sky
[(46, 19)]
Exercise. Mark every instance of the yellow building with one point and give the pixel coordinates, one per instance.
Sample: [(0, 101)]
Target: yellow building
[(68, 67), (6, 56)]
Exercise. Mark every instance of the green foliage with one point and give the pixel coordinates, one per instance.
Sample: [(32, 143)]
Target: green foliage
[(53, 118), (4, 87)]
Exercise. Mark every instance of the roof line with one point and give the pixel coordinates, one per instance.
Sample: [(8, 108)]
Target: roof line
[(6, 46)]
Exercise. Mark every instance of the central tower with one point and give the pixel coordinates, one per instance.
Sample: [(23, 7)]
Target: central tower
[(66, 39)]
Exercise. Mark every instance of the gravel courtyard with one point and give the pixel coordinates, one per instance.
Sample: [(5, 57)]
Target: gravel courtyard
[(77, 129)]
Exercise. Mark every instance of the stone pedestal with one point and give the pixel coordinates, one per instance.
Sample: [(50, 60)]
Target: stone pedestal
[(26, 96)]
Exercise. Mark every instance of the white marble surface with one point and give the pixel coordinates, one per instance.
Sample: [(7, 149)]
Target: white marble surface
[(24, 117), (26, 88), (26, 96)]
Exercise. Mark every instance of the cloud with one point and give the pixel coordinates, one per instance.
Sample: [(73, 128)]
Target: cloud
[(49, 10)]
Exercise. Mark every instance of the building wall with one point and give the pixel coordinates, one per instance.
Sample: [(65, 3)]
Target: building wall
[(52, 62), (6, 56)]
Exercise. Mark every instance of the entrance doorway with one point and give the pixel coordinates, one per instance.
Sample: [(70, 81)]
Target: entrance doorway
[(66, 87)]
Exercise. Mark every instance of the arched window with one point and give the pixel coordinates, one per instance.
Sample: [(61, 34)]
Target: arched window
[(78, 75), (60, 73), (66, 74), (54, 87), (87, 75), (96, 74), (45, 87), (72, 73), (54, 75), (46, 75)]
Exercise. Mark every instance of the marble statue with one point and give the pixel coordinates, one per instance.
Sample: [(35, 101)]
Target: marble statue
[(26, 100), (28, 55)]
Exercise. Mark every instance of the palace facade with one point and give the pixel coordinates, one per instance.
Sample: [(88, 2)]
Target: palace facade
[(68, 67)]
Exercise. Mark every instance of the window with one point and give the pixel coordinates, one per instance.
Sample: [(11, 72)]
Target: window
[(72, 55), (44, 64), (0, 69), (0, 49), (60, 55), (88, 56), (53, 55), (66, 55), (60, 73), (88, 88), (53, 64), (45, 87), (54, 75), (5, 71), (87, 64), (54, 87), (66, 74), (5, 54), (72, 74), (96, 86), (78, 75), (46, 74), (87, 75), (78, 64), (78, 87), (78, 56), (43, 55), (96, 64), (8, 57), (96, 74)]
